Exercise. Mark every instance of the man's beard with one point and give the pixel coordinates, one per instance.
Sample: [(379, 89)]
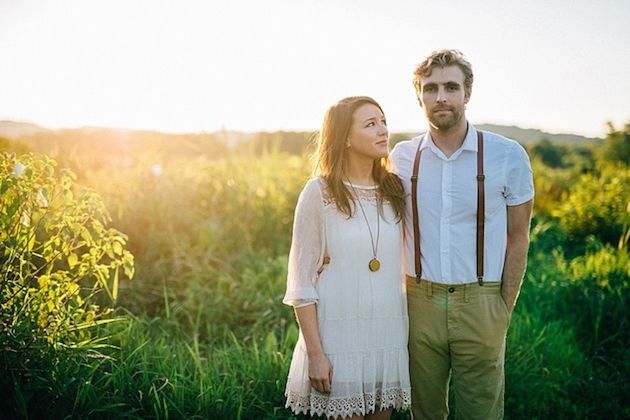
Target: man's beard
[(448, 121)]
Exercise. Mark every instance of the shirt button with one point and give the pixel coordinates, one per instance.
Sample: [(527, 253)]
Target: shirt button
[(451, 289)]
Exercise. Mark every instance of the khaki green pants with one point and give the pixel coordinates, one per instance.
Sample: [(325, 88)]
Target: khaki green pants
[(458, 329)]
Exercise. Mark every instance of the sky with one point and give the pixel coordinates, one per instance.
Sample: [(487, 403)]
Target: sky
[(263, 65)]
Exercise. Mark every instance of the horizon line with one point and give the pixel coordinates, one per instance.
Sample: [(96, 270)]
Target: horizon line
[(245, 131)]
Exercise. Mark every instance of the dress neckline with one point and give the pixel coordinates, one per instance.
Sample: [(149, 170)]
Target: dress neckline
[(363, 187)]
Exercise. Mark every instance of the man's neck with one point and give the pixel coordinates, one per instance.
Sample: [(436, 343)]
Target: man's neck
[(450, 140)]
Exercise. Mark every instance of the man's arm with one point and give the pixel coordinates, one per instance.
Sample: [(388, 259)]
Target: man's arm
[(518, 221)]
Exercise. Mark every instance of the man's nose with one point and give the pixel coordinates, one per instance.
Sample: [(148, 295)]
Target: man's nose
[(441, 95)]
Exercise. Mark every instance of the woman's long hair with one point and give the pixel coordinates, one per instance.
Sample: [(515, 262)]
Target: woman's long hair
[(332, 155)]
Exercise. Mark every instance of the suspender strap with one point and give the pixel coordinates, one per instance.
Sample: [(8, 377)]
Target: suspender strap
[(481, 208), (414, 208)]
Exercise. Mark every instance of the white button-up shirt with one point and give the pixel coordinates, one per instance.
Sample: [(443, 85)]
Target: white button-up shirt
[(447, 204)]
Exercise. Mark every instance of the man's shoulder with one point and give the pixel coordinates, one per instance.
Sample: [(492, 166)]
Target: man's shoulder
[(499, 141), (406, 149)]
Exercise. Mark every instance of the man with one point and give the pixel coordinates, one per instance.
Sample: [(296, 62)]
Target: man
[(464, 272)]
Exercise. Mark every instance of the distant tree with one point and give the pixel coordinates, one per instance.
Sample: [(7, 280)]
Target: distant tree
[(294, 143), (551, 154), (616, 146)]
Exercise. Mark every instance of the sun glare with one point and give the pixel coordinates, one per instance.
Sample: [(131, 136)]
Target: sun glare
[(249, 65)]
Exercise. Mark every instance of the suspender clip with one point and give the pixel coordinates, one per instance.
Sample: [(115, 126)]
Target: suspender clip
[(481, 177), (480, 280)]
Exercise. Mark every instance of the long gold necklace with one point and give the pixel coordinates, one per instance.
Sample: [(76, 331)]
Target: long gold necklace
[(374, 264)]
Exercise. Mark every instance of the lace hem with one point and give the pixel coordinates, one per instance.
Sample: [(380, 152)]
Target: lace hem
[(366, 403)]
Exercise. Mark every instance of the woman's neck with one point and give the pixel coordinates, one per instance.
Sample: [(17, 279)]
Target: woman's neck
[(359, 172)]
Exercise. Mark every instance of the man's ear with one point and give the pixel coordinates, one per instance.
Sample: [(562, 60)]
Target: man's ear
[(467, 94)]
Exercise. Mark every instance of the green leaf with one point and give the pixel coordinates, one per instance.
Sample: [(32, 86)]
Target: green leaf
[(115, 285), (72, 260)]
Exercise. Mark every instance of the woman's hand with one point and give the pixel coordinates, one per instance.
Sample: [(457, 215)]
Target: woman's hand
[(321, 268), (320, 372)]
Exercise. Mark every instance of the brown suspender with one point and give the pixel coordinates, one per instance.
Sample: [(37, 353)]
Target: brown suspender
[(480, 209), (414, 207)]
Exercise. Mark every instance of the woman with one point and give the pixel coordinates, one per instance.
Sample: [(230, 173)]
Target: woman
[(351, 357)]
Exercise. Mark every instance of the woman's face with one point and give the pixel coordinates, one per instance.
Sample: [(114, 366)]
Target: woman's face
[(368, 137)]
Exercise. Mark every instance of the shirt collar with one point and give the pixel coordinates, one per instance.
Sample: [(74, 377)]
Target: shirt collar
[(470, 141)]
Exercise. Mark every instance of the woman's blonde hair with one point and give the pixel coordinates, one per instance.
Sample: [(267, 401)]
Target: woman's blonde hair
[(332, 155)]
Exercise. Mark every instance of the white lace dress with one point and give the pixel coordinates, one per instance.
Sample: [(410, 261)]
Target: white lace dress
[(362, 315)]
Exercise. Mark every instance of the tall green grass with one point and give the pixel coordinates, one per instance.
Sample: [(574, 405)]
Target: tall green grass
[(206, 335)]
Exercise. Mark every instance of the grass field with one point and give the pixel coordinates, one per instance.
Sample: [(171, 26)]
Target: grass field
[(202, 332)]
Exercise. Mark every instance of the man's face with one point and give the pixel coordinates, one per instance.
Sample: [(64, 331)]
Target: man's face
[(443, 97)]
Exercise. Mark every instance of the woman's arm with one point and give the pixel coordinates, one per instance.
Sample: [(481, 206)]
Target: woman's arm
[(319, 367)]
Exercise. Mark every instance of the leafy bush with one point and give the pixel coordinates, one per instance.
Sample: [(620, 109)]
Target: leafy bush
[(56, 257), (617, 145), (597, 206)]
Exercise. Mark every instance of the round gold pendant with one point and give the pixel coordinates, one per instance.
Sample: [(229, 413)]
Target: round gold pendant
[(374, 264)]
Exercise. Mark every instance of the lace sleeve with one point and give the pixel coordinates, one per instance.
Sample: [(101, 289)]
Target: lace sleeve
[(307, 246)]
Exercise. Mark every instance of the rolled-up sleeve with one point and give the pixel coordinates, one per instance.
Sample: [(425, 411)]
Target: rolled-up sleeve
[(307, 247), (520, 182)]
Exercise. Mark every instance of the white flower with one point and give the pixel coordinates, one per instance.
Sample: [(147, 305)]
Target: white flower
[(156, 170), (18, 169)]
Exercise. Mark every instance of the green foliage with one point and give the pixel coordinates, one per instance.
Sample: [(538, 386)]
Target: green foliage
[(535, 367), (617, 145), (562, 155), (157, 372), (200, 222), (551, 154), (210, 338), (596, 207), (294, 143), (56, 255)]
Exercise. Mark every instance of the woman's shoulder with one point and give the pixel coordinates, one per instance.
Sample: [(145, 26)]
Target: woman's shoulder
[(316, 188), (314, 184), (313, 188)]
